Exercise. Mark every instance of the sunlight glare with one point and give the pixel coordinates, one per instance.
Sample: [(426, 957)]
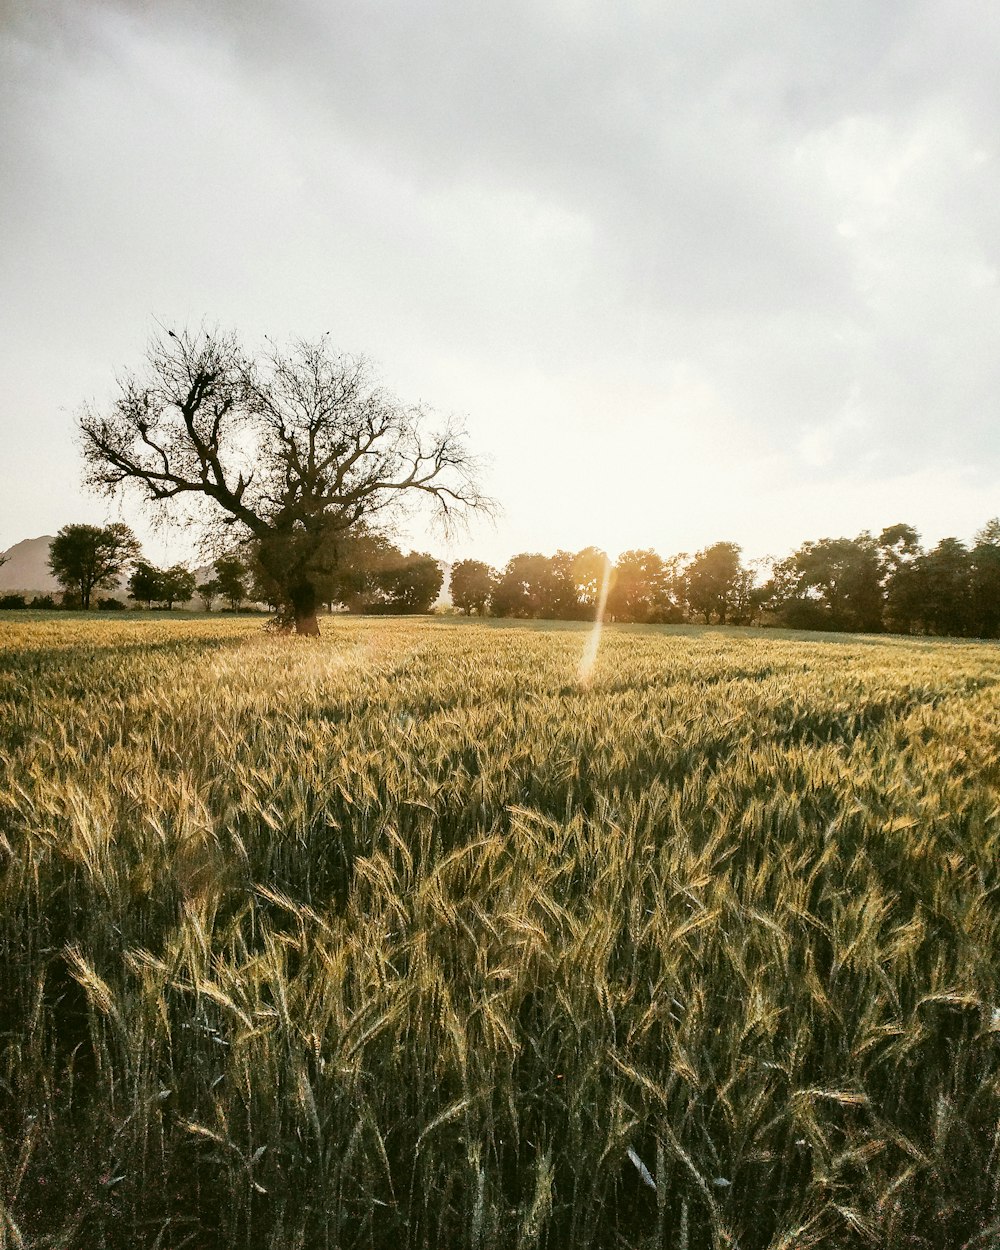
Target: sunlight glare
[(589, 657)]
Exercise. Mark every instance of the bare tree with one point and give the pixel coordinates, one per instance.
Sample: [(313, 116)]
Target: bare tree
[(294, 450)]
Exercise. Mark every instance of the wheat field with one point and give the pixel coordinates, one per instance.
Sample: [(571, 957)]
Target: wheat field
[(409, 937)]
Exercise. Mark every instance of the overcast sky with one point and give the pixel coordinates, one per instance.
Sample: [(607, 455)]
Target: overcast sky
[(690, 271)]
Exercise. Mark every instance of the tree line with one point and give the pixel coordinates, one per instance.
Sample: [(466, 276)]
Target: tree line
[(369, 574), (871, 584)]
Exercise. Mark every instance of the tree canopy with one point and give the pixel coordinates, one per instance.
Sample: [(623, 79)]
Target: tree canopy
[(293, 449), (471, 585), (85, 558)]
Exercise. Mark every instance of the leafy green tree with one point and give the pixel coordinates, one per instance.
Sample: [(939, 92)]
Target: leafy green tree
[(330, 449), (946, 588), (178, 585), (146, 584), (714, 581), (846, 573), (526, 586), (591, 572), (832, 583), (985, 561), (410, 584), (638, 587), (471, 585), (560, 600), (748, 595), (362, 555), (85, 558), (232, 578), (899, 549), (208, 592)]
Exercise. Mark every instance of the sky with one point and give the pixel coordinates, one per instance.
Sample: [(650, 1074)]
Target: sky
[(688, 272)]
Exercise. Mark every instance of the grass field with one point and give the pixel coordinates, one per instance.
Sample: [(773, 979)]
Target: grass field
[(408, 937)]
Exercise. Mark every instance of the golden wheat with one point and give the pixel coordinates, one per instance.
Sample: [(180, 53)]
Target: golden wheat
[(407, 937)]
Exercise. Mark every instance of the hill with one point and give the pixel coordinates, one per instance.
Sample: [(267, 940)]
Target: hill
[(27, 567)]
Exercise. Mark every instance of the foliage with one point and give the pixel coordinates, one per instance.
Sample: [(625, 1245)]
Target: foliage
[(148, 584), (525, 587), (373, 575), (407, 939), (85, 558), (985, 588), (292, 451), (946, 587), (471, 585), (12, 601), (178, 585), (232, 580), (842, 577), (145, 583), (717, 584), (406, 584), (208, 592)]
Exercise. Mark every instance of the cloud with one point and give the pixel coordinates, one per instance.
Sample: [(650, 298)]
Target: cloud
[(775, 223)]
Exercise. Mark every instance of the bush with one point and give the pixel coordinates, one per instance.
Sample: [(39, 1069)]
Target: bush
[(110, 605), (12, 601), (43, 601)]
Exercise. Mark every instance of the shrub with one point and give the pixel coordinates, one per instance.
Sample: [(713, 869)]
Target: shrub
[(12, 601)]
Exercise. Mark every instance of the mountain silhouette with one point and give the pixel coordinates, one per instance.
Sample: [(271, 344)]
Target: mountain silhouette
[(27, 567)]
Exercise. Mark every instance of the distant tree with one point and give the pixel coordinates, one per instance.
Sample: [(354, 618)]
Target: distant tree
[(638, 585), (233, 579), (146, 584), (715, 581), (410, 584), (525, 587), (84, 558), (591, 571), (178, 585), (558, 594), (832, 583), (748, 595), (471, 585), (946, 588), (362, 555), (208, 592), (985, 559), (899, 551)]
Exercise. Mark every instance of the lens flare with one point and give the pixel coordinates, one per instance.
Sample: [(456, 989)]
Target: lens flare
[(589, 657)]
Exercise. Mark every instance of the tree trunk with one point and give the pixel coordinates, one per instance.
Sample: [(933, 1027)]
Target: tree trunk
[(304, 604)]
